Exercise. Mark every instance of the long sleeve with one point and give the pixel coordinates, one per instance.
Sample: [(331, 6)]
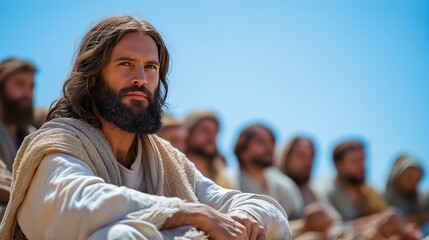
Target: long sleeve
[(69, 202), (263, 208)]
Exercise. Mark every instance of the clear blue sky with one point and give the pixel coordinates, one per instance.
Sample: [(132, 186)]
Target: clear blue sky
[(330, 69)]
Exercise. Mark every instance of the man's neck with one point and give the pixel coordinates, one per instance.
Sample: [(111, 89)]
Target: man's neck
[(352, 190), (256, 173), (201, 163), (120, 141)]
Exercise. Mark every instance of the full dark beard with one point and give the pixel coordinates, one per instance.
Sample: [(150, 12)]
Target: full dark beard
[(135, 118), (352, 180), (299, 180), (14, 111), (259, 162), (202, 152), (409, 195)]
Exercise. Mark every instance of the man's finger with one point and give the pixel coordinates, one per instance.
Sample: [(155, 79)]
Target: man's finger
[(258, 232)]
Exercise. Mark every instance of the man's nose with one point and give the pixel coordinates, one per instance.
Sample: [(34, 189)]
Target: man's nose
[(139, 77), (27, 94)]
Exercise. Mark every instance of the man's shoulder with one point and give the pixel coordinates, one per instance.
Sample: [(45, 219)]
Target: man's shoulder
[(322, 187), (281, 181), (274, 174)]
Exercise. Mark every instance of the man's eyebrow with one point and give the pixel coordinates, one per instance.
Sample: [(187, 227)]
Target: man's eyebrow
[(154, 62), (124, 58)]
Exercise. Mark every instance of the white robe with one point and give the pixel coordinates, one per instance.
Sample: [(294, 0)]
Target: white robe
[(67, 201)]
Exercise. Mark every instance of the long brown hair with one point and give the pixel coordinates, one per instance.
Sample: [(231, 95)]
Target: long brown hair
[(93, 55)]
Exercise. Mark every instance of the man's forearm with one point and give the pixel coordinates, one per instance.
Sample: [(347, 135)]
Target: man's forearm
[(190, 214)]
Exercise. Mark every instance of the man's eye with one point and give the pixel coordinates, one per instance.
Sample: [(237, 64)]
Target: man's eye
[(127, 64), (151, 67)]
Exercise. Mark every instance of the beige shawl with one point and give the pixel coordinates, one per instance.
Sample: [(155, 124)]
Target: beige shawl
[(78, 139)]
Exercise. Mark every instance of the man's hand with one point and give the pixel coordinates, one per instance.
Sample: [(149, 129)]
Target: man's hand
[(215, 224), (254, 229), (316, 218)]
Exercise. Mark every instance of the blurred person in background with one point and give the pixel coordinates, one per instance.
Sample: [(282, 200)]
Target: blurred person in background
[(297, 163), (351, 195), (16, 116), (402, 191), (173, 131), (254, 150), (16, 105), (201, 146), (357, 202)]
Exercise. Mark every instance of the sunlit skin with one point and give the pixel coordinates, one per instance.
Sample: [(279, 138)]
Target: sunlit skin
[(133, 61)]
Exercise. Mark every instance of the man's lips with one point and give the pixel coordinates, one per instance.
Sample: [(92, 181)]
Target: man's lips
[(137, 95)]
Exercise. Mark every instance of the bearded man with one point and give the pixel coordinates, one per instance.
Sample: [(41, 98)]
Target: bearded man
[(96, 170), (255, 153), (16, 113)]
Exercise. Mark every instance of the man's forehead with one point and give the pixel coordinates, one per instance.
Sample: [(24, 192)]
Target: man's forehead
[(135, 46), (21, 76)]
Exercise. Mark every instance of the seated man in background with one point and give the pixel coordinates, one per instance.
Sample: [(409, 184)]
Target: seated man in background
[(321, 219), (356, 201), (402, 190), (201, 146), (16, 105), (352, 196), (297, 163), (96, 170), (16, 115), (255, 153), (173, 131)]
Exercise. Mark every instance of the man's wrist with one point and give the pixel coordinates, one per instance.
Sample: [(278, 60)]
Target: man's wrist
[(193, 214)]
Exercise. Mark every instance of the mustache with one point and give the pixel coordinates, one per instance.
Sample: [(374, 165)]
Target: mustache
[(135, 88)]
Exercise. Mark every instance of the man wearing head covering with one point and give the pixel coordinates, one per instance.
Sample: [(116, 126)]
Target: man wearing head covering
[(297, 163), (16, 105), (96, 170), (16, 115), (254, 150), (402, 190), (173, 131), (201, 146)]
